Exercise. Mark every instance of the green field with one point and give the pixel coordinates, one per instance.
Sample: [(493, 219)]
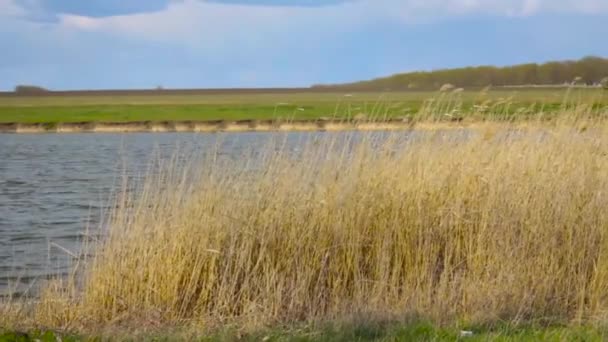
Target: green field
[(166, 106)]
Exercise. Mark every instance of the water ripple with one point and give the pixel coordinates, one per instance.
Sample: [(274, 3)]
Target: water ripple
[(54, 187)]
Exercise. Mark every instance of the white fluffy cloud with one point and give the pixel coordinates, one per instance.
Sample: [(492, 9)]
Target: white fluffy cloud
[(200, 20), (203, 22), (220, 27), (429, 9), (9, 8)]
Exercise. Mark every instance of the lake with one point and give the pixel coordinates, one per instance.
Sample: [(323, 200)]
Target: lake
[(55, 189)]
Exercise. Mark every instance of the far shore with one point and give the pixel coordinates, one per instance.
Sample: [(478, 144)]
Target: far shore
[(216, 126)]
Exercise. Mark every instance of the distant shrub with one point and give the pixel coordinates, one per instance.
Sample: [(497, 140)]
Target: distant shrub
[(604, 83), (29, 89)]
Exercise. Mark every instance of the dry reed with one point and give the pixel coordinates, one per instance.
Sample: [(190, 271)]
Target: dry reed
[(492, 224)]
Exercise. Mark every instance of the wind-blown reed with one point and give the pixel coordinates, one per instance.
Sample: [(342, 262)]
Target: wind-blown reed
[(487, 225), (499, 221)]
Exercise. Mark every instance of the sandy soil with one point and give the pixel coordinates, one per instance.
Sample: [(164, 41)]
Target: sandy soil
[(215, 126)]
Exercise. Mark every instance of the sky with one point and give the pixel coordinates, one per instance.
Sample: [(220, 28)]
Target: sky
[(127, 44)]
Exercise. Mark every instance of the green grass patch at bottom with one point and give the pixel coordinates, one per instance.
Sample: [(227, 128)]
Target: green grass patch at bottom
[(42, 336), (418, 332), (364, 332)]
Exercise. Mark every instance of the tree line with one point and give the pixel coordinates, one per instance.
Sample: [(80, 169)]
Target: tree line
[(30, 89), (587, 71)]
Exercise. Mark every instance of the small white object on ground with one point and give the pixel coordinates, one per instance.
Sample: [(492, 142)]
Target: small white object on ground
[(466, 333)]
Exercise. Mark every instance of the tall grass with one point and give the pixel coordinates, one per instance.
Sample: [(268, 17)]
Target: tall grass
[(492, 224), (499, 225)]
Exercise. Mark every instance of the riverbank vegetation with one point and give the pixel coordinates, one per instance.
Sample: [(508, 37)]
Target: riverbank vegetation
[(501, 224)]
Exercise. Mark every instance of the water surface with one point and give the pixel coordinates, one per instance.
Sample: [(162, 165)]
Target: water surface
[(55, 188)]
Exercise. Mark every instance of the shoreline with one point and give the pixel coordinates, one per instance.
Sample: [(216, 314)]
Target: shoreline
[(218, 126)]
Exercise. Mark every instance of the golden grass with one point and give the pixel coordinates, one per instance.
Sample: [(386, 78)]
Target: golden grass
[(509, 224)]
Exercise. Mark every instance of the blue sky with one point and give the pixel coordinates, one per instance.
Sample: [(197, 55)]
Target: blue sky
[(100, 44)]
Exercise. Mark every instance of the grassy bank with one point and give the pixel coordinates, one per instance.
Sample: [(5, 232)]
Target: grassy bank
[(126, 107), (365, 331), (504, 224)]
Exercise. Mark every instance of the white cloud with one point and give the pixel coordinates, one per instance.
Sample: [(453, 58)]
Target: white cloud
[(222, 29), (8, 8), (202, 22), (411, 9)]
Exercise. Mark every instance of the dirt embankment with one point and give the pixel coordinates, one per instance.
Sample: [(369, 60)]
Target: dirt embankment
[(201, 126)]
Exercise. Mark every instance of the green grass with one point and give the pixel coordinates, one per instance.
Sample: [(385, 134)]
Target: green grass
[(41, 336), (129, 113), (331, 332), (419, 332), (234, 106)]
